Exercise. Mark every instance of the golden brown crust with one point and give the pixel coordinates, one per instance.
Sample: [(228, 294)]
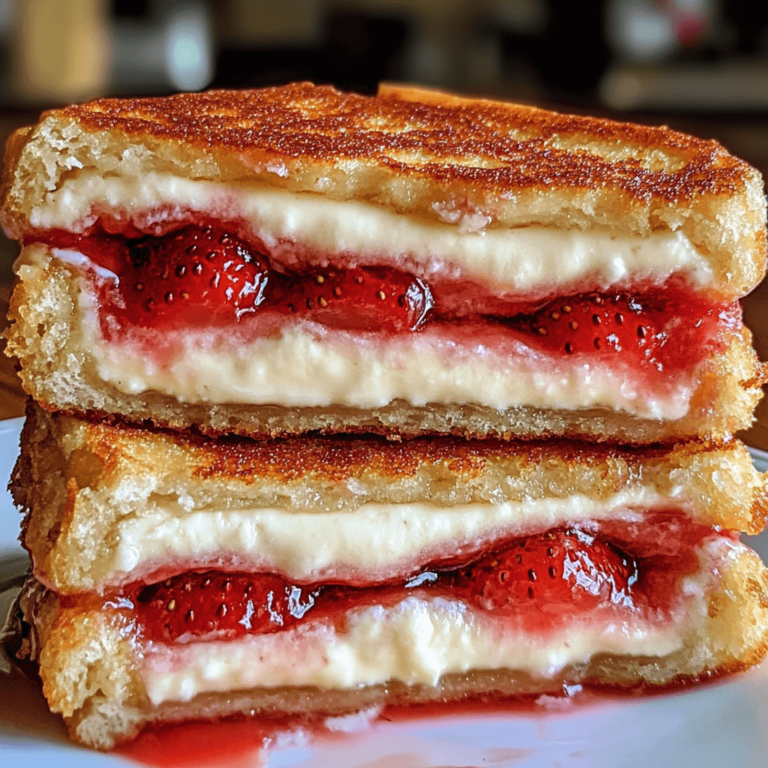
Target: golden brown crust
[(420, 153), (342, 458), (427, 135), (14, 148)]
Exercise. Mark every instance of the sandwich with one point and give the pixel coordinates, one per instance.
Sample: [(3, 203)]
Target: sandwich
[(263, 333), (297, 259), (178, 576)]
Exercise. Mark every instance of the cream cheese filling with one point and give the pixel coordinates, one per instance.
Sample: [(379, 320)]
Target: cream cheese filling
[(522, 259), (303, 365), (374, 540), (415, 642)]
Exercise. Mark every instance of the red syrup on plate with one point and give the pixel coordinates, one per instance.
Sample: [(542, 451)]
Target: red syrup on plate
[(247, 742), (232, 743), (208, 275), (243, 742)]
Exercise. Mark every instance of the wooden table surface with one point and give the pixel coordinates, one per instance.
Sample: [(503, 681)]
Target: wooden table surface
[(746, 138)]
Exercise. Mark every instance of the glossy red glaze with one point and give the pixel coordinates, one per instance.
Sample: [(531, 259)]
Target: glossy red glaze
[(539, 582), (661, 331), (361, 299), (562, 571), (206, 274), (194, 277)]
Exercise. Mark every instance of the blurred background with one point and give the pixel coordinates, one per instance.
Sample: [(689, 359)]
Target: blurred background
[(697, 65)]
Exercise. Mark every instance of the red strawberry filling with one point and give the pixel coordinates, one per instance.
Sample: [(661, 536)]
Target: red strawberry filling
[(205, 275), (539, 582)]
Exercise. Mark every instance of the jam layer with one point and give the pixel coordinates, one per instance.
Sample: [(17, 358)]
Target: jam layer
[(539, 582), (205, 275)]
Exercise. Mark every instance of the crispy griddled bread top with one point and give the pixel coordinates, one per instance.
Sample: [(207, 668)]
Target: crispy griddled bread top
[(494, 145), (440, 157), (346, 471), (108, 504)]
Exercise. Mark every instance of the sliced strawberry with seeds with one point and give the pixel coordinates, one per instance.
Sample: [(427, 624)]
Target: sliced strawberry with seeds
[(201, 604), (565, 567), (597, 324), (195, 276), (364, 298), (558, 573), (204, 274)]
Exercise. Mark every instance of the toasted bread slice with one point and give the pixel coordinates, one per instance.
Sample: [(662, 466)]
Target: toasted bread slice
[(435, 157), (95, 674), (107, 505)]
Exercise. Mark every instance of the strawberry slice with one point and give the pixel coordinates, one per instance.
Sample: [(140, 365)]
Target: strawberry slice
[(361, 299), (197, 605), (561, 569), (598, 324), (196, 276), (557, 574)]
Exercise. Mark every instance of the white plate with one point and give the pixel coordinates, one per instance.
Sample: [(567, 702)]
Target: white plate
[(712, 726)]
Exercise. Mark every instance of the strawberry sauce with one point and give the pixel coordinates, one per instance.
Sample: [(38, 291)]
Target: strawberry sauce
[(208, 274), (540, 582), (232, 743)]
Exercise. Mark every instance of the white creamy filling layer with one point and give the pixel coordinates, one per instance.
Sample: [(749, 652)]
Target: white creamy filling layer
[(303, 366), (416, 641), (523, 259), (376, 540)]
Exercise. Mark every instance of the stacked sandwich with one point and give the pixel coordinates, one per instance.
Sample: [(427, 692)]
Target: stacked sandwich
[(342, 401)]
